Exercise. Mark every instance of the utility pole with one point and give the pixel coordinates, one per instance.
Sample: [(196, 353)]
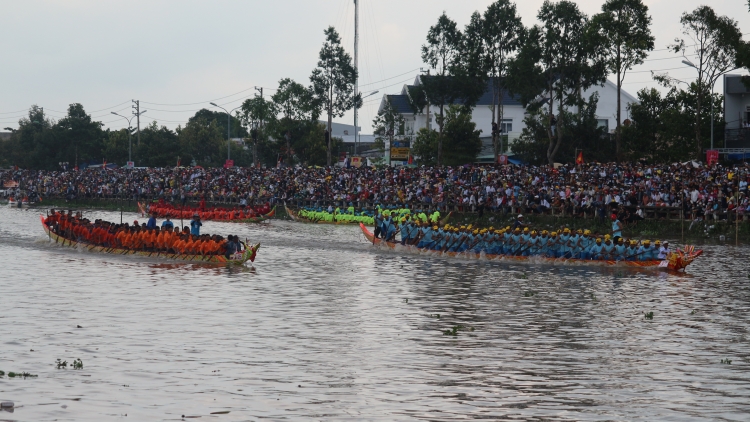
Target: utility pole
[(259, 131), (356, 69), (137, 113)]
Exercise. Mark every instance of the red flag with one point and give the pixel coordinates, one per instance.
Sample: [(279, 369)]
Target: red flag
[(411, 159), (579, 159)]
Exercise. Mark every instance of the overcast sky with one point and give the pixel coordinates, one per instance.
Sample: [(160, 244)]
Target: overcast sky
[(177, 56)]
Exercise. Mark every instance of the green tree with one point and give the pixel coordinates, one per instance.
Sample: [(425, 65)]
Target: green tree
[(425, 146), (624, 27), (503, 34), (84, 136), (258, 114), (333, 82), (461, 137), (716, 49), (299, 113), (160, 146), (387, 124), (237, 130), (443, 54), (580, 131), (562, 58), (201, 141)]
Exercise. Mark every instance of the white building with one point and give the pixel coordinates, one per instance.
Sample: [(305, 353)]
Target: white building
[(513, 113)]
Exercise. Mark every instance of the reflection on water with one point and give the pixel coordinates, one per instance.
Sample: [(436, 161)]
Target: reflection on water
[(326, 327)]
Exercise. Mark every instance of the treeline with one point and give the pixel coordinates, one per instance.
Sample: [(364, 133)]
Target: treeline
[(283, 128), (549, 66)]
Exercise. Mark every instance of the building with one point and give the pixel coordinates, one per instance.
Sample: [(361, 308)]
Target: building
[(513, 114), (346, 133), (736, 114)]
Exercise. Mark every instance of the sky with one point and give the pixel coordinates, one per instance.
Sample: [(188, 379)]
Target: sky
[(177, 56)]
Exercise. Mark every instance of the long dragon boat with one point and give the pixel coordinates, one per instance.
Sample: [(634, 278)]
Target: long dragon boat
[(296, 217), (259, 219), (676, 261), (238, 258)]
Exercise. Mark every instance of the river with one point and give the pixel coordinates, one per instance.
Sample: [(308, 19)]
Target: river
[(324, 326)]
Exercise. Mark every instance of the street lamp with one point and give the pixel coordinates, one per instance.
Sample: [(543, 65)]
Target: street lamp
[(689, 63), (228, 125), (130, 135), (356, 129)]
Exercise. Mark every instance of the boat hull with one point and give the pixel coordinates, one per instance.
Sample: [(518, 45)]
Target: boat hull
[(248, 255), (672, 264), (259, 219), (295, 217)]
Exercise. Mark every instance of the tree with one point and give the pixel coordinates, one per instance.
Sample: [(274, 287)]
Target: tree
[(442, 53), (580, 130), (717, 45), (387, 124), (258, 114), (333, 82), (461, 137), (624, 27), (561, 59), (663, 125), (221, 120), (201, 141), (299, 114), (84, 136), (425, 146), (503, 34)]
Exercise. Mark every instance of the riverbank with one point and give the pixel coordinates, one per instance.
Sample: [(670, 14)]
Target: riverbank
[(700, 232)]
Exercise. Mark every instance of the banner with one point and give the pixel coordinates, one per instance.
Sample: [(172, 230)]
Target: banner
[(228, 164), (400, 153), (502, 159), (579, 158), (712, 157), (357, 161)]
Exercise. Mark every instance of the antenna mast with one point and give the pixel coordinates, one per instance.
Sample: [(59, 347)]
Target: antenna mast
[(356, 68)]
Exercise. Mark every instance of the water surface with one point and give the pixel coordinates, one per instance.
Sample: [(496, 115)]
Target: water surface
[(326, 327)]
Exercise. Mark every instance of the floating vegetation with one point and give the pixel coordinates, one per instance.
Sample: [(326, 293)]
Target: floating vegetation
[(529, 293), (17, 374), (523, 276), (693, 312), (435, 316), (406, 300), (593, 296), (63, 364), (649, 315), (726, 361), (454, 331)]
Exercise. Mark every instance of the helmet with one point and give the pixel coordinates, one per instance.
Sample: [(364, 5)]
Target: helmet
[(525, 229), (598, 240), (646, 242), (533, 232), (554, 233), (657, 243), (545, 232), (579, 231), (566, 230), (619, 240), (475, 231), (516, 230), (587, 232), (607, 237), (434, 227)]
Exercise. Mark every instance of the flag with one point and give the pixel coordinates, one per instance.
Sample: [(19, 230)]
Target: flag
[(411, 159), (579, 159)]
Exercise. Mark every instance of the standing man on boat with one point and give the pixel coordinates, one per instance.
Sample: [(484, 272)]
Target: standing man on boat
[(151, 224), (616, 228), (167, 224), (663, 250), (195, 225), (519, 223)]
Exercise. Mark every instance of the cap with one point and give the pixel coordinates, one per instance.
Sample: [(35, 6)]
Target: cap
[(520, 215)]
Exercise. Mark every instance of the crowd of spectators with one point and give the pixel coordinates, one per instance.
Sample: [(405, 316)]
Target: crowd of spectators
[(716, 192)]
